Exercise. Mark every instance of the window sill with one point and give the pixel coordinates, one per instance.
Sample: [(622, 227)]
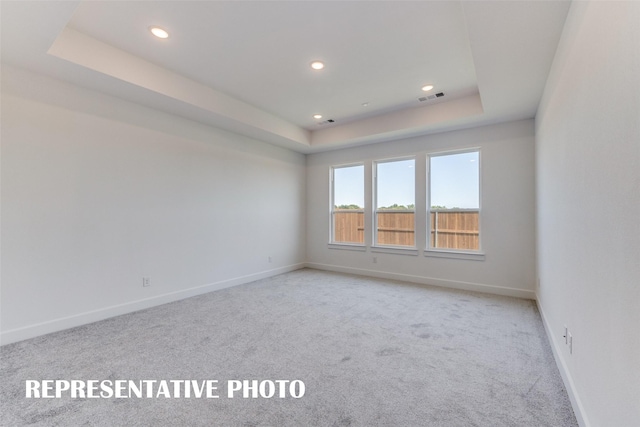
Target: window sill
[(347, 247), (474, 256), (395, 250)]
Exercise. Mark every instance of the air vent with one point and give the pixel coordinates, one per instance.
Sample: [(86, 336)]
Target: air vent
[(430, 97), (326, 122)]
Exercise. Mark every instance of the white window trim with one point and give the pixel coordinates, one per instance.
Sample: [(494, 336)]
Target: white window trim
[(370, 242), (375, 247), (454, 254), (429, 251), (343, 245), (398, 250), (348, 246)]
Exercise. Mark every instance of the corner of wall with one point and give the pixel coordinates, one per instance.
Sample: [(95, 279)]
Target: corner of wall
[(567, 379)]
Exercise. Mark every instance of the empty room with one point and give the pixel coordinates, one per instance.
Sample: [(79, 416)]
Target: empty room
[(320, 213)]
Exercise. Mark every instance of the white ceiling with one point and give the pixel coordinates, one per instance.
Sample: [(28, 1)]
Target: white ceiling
[(244, 65)]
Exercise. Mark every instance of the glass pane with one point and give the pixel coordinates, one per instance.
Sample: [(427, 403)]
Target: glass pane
[(348, 199), (348, 187), (455, 229), (395, 203), (455, 181), (455, 201), (348, 226), (396, 185), (396, 228)]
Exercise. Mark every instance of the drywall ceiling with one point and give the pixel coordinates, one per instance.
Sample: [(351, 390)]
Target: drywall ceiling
[(245, 65)]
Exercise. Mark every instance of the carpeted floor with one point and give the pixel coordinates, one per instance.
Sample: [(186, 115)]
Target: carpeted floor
[(370, 352)]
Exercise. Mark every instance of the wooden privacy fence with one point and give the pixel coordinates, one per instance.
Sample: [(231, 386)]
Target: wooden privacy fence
[(450, 229), (457, 229), (348, 226), (396, 228)]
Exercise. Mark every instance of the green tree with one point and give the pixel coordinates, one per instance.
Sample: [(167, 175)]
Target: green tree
[(397, 207)]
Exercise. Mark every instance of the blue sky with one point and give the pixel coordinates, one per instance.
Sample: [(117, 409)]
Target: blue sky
[(396, 183), (454, 182), (349, 186)]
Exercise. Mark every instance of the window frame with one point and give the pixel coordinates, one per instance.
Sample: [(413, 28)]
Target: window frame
[(473, 254), (332, 206), (375, 245)]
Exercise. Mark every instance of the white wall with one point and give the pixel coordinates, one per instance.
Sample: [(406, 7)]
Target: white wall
[(588, 209), (98, 192), (507, 222)]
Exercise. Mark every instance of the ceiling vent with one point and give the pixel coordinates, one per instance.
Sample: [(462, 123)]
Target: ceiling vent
[(431, 97), (326, 122)]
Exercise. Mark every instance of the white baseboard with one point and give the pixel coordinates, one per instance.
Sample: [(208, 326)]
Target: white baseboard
[(576, 403), (467, 286), (31, 331)]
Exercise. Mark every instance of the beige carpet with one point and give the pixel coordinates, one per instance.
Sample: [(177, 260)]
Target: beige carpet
[(370, 352)]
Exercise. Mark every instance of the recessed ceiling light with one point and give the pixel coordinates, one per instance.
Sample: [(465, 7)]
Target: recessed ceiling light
[(159, 32), (427, 88), (317, 65), (365, 104), (317, 116)]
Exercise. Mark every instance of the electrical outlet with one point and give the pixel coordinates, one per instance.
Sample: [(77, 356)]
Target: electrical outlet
[(146, 281), (375, 260), (570, 343)]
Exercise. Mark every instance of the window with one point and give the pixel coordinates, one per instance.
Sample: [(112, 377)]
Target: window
[(395, 203), (347, 207), (454, 201)]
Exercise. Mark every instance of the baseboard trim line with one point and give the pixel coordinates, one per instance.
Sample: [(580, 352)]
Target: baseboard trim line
[(32, 331), (467, 286), (576, 403)]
